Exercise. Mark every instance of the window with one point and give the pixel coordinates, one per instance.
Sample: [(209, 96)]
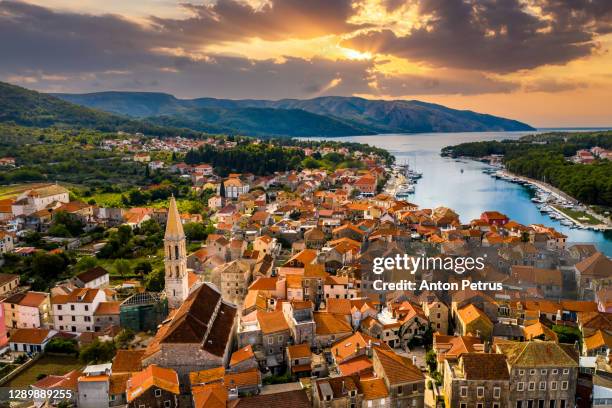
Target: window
[(520, 386), (519, 404), (480, 392), (531, 385), (280, 339), (564, 385), (399, 390), (463, 405), (552, 404), (60, 318), (496, 405), (566, 371), (543, 372), (496, 392), (270, 340), (71, 307), (554, 371), (464, 391), (59, 307), (415, 387), (542, 385), (86, 308), (521, 372), (158, 392), (532, 372), (562, 404), (480, 405), (167, 403)]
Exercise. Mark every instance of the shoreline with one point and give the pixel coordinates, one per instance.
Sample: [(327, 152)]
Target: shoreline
[(603, 226)]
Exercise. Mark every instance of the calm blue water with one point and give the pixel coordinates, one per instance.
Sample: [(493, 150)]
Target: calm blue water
[(470, 192)]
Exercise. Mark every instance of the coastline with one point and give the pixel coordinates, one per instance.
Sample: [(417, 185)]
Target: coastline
[(604, 225)]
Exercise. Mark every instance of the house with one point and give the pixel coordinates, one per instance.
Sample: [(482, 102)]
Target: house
[(95, 278), (243, 359), (477, 380), (453, 347), (74, 312), (355, 346), (314, 238), (7, 242), (598, 343), (494, 218), (234, 188), (127, 361), (40, 198), (549, 281), (8, 283), (107, 314), (284, 399), (330, 328), (27, 310), (153, 387), (437, 313), (540, 371), (30, 340), (197, 336), (299, 360), (591, 270), (275, 335), (471, 319), (366, 184), (299, 317), (51, 382), (334, 392), (142, 157), (233, 279), (405, 381), (93, 386)]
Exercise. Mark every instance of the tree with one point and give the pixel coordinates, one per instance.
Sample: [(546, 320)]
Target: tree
[(122, 267), (61, 345), (97, 352), (156, 281), (72, 224), (48, 266), (85, 263), (431, 360), (195, 231), (143, 268)]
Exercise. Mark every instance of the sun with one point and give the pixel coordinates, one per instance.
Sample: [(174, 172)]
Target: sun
[(351, 54)]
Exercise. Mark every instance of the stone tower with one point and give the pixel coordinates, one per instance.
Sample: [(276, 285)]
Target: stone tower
[(176, 278)]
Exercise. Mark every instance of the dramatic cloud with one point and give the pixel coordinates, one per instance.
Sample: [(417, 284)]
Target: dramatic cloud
[(496, 36), (228, 20)]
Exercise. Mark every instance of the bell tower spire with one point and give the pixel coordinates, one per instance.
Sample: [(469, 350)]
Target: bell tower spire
[(175, 258)]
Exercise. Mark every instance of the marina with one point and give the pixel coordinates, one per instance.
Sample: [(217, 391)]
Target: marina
[(467, 186)]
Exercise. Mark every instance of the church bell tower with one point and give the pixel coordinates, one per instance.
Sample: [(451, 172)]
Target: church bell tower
[(175, 260)]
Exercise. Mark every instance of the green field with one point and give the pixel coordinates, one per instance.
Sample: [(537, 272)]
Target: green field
[(47, 364), (579, 216)]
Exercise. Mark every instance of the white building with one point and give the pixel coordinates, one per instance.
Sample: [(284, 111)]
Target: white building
[(234, 187), (75, 312), (39, 198), (93, 386)]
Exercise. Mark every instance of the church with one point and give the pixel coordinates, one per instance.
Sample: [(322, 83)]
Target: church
[(199, 332)]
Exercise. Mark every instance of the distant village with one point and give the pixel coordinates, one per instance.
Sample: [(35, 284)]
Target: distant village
[(274, 307)]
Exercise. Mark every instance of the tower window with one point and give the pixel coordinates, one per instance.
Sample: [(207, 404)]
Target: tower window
[(178, 274), (176, 252)]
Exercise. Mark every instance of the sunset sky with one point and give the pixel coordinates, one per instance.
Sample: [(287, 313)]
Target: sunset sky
[(545, 62)]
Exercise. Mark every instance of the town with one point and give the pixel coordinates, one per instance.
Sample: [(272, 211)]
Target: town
[(263, 295)]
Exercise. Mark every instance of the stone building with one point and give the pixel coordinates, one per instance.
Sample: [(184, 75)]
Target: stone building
[(197, 337), (477, 380), (542, 373)]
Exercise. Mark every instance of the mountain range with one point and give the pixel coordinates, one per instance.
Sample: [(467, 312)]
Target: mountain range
[(163, 114), (334, 115)]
